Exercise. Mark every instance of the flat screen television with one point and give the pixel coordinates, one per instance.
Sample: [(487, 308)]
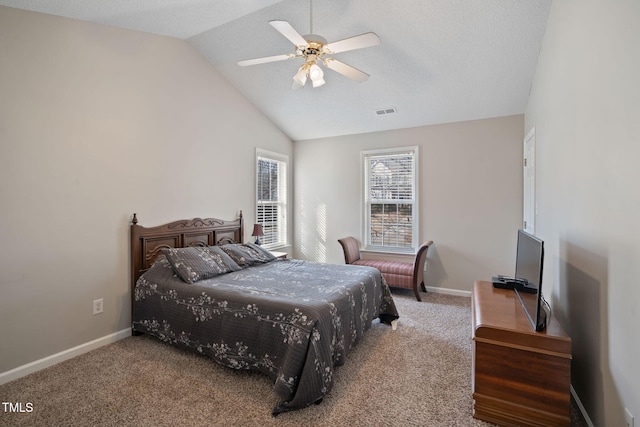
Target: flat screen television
[(528, 288)]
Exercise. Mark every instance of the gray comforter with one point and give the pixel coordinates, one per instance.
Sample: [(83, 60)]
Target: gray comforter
[(293, 320)]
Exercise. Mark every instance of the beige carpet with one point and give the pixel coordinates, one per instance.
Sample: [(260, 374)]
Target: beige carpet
[(418, 375)]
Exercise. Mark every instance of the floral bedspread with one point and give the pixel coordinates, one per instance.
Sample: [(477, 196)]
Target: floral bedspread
[(291, 319)]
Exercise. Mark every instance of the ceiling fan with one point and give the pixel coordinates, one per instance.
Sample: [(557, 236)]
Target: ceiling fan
[(314, 48)]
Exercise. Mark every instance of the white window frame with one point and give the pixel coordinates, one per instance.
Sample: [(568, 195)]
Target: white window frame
[(279, 238), (368, 201)]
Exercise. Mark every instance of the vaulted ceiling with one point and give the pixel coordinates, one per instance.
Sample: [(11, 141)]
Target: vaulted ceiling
[(439, 61)]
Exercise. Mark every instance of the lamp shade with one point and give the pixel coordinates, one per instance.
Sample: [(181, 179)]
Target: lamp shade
[(317, 82), (315, 72), (301, 76), (257, 230), (316, 75)]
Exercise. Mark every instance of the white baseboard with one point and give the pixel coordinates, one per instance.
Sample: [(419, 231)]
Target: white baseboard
[(582, 410), (447, 291), (37, 365)]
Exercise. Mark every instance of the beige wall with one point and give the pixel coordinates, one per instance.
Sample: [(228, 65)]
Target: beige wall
[(585, 106), (470, 195), (97, 123)]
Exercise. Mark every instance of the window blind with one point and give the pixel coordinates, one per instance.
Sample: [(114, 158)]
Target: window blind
[(390, 199), (271, 207)]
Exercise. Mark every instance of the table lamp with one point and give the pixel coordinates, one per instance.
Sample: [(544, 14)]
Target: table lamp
[(257, 232)]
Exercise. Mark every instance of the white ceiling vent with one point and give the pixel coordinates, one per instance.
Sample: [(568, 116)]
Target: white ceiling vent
[(384, 111)]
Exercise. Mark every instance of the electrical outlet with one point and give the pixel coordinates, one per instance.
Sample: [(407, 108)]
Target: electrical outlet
[(628, 418), (98, 306)]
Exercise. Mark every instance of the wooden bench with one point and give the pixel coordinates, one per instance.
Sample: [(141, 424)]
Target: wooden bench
[(396, 274)]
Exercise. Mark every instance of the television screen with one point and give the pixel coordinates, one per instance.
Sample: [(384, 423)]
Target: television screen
[(529, 261)]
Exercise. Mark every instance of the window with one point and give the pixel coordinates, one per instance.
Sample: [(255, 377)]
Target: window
[(271, 197), (390, 198)]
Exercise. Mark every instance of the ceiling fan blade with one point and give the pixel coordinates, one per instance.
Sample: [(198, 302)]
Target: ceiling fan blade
[(266, 59), (346, 70), (356, 42), (289, 32)]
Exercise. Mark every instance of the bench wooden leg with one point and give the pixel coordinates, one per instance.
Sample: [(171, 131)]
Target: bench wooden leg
[(417, 294)]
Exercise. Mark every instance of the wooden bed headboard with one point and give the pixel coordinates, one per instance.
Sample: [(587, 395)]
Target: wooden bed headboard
[(147, 242)]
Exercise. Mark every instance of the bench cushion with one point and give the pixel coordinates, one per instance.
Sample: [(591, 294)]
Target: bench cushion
[(396, 273)]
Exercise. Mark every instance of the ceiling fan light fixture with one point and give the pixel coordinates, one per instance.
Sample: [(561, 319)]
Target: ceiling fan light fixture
[(317, 82), (316, 75), (315, 72), (300, 77)]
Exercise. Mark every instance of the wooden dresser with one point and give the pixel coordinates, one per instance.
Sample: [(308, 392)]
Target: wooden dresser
[(519, 377)]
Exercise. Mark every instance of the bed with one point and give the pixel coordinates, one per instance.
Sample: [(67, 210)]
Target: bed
[(291, 319)]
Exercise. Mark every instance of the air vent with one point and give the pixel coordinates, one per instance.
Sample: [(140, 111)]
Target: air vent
[(384, 111)]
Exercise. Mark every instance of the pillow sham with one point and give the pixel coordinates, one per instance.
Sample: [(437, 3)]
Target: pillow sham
[(247, 254), (197, 263)]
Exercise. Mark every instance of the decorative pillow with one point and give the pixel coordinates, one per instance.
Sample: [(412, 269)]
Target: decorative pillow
[(199, 262), (247, 254)]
